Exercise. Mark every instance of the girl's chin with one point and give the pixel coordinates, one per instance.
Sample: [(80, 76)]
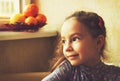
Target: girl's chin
[(74, 63)]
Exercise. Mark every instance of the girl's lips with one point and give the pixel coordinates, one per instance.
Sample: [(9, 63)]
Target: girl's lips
[(72, 57)]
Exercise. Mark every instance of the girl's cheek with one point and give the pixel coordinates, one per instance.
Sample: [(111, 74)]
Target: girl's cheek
[(76, 46), (63, 50)]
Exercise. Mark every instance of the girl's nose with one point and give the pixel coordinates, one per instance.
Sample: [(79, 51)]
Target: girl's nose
[(68, 47)]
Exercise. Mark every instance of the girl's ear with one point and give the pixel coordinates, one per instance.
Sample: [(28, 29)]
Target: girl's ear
[(100, 41)]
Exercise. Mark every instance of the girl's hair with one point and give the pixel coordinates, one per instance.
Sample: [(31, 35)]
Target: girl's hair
[(93, 23)]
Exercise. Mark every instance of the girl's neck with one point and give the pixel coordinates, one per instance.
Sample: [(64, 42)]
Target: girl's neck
[(92, 63)]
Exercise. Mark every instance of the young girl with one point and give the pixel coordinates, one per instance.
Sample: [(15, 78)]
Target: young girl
[(83, 40)]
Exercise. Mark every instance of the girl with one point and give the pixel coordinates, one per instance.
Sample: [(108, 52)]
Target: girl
[(83, 40)]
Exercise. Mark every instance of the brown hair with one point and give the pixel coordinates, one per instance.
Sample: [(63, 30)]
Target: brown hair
[(95, 25)]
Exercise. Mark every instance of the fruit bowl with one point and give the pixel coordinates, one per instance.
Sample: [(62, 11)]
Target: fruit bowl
[(19, 26)]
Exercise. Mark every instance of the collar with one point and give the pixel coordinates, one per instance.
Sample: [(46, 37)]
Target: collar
[(98, 67)]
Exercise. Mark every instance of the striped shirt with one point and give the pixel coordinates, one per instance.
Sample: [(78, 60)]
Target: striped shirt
[(67, 72)]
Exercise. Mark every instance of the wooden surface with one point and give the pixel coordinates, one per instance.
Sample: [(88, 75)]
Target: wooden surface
[(26, 55), (42, 32), (35, 76)]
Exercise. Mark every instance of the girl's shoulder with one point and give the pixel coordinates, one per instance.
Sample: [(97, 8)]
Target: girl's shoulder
[(112, 70), (65, 64)]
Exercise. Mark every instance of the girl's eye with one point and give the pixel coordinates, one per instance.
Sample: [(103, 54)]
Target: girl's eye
[(75, 39), (63, 41)]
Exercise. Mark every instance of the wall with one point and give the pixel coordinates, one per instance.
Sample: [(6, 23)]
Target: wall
[(57, 10)]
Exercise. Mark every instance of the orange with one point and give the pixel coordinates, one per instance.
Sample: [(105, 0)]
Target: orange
[(31, 10), (41, 18), (30, 20), (17, 18)]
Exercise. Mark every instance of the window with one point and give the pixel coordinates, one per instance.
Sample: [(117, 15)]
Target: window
[(9, 7)]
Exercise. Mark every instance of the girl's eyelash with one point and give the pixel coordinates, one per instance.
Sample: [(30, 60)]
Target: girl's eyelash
[(63, 41), (75, 38)]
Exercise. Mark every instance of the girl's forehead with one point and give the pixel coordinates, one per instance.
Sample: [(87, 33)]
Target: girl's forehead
[(72, 26)]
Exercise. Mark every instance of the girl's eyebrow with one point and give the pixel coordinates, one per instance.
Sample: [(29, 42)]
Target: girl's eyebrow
[(79, 34), (62, 37)]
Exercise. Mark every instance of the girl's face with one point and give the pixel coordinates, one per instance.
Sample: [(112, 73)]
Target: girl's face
[(79, 47)]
